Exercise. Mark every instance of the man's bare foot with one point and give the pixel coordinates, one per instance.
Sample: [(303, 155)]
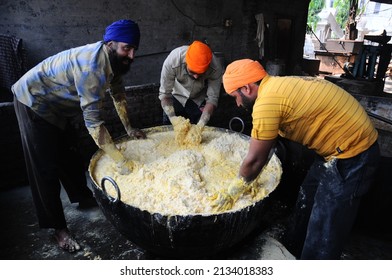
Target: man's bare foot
[(66, 241)]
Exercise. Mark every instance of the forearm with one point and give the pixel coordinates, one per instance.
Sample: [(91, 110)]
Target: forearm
[(167, 106), (249, 170), (104, 141), (207, 113), (120, 103), (257, 156)]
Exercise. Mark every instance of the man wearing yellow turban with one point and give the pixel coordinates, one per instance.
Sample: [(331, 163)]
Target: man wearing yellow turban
[(324, 118), (190, 83)]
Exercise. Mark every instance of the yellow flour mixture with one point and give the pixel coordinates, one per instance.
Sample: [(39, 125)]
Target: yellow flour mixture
[(173, 179)]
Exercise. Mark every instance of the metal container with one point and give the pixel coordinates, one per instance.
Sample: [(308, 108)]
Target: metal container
[(188, 236)]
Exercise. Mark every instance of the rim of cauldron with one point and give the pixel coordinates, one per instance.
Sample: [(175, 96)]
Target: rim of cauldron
[(114, 212), (114, 208), (165, 128)]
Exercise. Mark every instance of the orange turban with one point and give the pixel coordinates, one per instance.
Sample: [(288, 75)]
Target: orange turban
[(198, 57), (242, 72)]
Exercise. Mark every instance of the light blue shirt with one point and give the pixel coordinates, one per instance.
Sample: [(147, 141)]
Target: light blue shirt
[(67, 83)]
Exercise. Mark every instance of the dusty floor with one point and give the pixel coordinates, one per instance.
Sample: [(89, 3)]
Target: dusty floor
[(21, 239)]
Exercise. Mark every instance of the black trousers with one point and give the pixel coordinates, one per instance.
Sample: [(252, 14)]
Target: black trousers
[(328, 203), (52, 161)]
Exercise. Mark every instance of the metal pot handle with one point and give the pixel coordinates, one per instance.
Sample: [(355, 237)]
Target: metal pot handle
[(239, 119), (111, 180)]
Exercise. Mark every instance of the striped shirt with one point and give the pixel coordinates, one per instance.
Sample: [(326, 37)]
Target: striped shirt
[(313, 112), (67, 83)]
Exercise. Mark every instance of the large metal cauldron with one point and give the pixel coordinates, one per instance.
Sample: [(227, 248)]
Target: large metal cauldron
[(190, 236)]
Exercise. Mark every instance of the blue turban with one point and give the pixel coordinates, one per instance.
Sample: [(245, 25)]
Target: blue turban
[(125, 31)]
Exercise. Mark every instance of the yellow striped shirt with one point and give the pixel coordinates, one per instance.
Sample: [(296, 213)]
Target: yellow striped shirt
[(313, 112)]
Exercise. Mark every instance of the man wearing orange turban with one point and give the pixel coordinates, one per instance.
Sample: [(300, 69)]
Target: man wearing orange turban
[(190, 83), (327, 120)]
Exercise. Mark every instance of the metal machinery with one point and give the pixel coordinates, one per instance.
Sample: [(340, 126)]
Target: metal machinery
[(373, 59)]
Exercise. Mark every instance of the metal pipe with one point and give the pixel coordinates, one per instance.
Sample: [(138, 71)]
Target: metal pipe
[(388, 121)]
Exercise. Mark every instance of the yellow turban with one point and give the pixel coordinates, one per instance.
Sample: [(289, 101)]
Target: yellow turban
[(242, 72), (198, 57)]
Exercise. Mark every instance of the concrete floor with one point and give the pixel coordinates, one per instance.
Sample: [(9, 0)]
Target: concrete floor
[(21, 238)]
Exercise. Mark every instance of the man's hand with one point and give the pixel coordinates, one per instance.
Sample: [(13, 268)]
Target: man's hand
[(194, 135), (205, 117), (221, 201), (136, 133), (125, 167), (176, 121), (225, 198), (181, 128), (186, 134)]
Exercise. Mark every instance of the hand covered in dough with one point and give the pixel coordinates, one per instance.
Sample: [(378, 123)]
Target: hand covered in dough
[(125, 167), (194, 135), (181, 127), (225, 198), (136, 133), (177, 121)]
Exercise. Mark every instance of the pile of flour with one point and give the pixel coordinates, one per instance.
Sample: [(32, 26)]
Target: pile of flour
[(175, 180)]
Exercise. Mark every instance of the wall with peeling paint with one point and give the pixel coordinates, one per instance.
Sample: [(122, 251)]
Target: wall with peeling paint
[(48, 27)]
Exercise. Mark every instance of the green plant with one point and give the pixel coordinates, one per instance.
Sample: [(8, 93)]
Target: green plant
[(315, 7), (343, 11)]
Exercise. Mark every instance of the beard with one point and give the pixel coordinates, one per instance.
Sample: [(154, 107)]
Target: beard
[(191, 75), (247, 103), (117, 63)]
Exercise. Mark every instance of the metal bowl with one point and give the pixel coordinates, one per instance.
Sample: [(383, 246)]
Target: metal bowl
[(189, 236)]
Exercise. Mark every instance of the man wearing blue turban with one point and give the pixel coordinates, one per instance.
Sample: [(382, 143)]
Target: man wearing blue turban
[(119, 35), (123, 30), (49, 96)]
